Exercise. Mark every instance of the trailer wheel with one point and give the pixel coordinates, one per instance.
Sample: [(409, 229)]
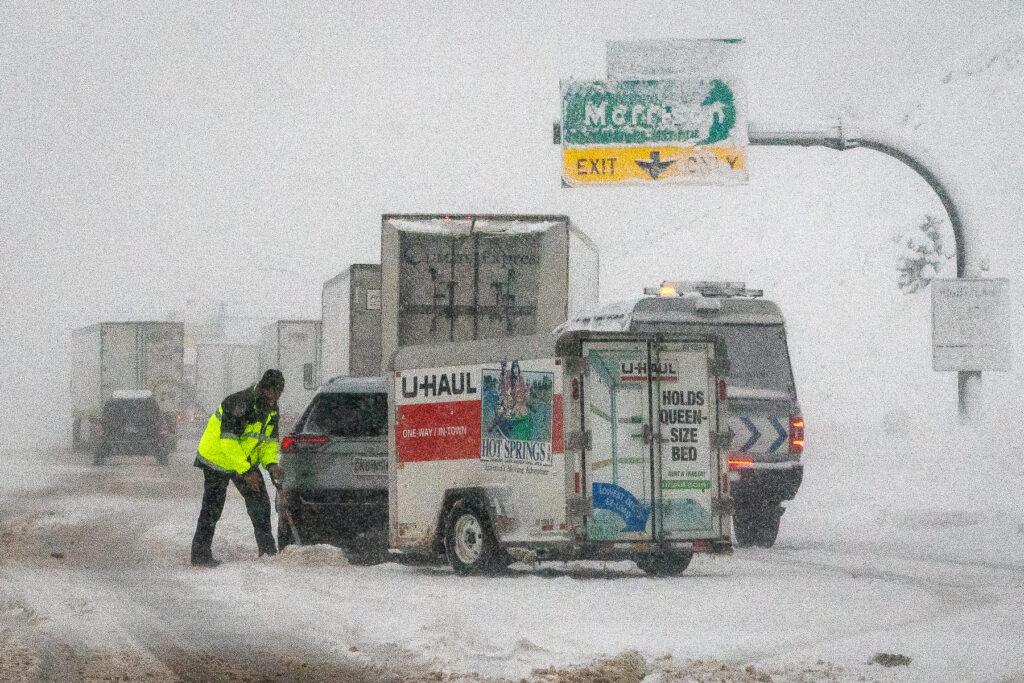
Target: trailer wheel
[(469, 540), (664, 563)]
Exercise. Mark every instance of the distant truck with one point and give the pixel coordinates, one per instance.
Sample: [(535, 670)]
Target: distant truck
[(293, 347), (765, 419), (136, 361), (351, 315), (604, 444), (449, 278), (220, 370)]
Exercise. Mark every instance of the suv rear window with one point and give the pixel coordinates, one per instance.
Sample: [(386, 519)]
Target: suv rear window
[(347, 415)]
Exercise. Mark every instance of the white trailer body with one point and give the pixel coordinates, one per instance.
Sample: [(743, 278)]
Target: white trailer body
[(222, 369), (113, 356), (351, 314), (585, 445), (459, 278), (293, 347)]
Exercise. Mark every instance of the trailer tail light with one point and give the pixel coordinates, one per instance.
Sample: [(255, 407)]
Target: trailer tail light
[(295, 442), (740, 461), (796, 434), (723, 390)]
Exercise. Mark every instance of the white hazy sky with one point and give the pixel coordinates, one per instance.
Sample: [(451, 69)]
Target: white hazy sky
[(243, 151)]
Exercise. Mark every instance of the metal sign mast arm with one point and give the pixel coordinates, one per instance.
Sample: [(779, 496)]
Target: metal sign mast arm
[(891, 143)]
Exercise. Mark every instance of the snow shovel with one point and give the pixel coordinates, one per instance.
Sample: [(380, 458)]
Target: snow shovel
[(286, 509)]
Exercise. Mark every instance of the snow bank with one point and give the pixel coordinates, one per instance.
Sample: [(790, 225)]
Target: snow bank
[(309, 556)]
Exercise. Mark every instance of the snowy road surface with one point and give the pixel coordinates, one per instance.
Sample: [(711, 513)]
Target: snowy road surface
[(94, 585)]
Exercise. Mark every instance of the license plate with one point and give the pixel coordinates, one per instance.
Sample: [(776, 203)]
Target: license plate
[(131, 429), (369, 466)]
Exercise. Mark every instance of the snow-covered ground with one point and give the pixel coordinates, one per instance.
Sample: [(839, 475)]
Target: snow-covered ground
[(896, 544)]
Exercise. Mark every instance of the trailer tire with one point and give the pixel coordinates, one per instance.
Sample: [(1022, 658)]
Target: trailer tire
[(469, 540), (664, 563)]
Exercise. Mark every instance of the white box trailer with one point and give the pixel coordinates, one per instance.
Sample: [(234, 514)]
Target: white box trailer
[(350, 311), (119, 356), (585, 445), (461, 277), (222, 369), (293, 347)]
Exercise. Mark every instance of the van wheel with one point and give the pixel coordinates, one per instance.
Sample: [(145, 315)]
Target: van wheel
[(664, 563), (76, 434), (98, 456), (757, 525), (767, 530), (469, 540)]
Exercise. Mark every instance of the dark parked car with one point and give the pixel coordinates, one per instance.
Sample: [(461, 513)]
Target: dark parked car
[(336, 468), (132, 424)]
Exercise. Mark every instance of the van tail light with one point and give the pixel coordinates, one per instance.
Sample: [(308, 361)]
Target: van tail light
[(723, 390), (796, 434), (576, 482), (575, 392), (295, 442), (740, 461)]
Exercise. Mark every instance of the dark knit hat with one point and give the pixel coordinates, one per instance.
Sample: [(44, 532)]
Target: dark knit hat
[(272, 379)]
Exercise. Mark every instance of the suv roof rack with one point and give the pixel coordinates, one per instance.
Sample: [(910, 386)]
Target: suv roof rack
[(705, 288)]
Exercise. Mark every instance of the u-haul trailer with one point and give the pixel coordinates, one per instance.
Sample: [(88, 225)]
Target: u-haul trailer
[(581, 445)]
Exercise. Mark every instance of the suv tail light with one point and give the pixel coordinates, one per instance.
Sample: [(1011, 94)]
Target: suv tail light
[(294, 442), (796, 434)]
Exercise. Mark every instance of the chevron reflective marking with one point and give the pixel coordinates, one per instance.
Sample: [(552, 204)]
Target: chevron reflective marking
[(781, 431), (754, 434)]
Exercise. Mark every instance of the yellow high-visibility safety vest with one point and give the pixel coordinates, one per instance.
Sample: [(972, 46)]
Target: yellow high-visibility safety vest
[(239, 436)]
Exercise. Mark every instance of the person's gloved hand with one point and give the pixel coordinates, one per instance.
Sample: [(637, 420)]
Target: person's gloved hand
[(252, 479), (276, 474)]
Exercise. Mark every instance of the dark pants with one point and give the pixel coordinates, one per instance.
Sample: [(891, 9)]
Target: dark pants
[(215, 491)]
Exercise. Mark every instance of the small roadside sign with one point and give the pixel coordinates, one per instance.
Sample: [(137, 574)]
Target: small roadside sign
[(970, 330)]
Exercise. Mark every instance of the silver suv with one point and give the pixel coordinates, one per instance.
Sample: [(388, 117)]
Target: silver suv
[(336, 468)]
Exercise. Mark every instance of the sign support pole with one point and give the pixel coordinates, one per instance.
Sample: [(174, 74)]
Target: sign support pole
[(952, 196)]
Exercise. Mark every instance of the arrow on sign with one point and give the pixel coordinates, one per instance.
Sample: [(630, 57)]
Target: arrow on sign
[(778, 430), (754, 434), (654, 166)]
